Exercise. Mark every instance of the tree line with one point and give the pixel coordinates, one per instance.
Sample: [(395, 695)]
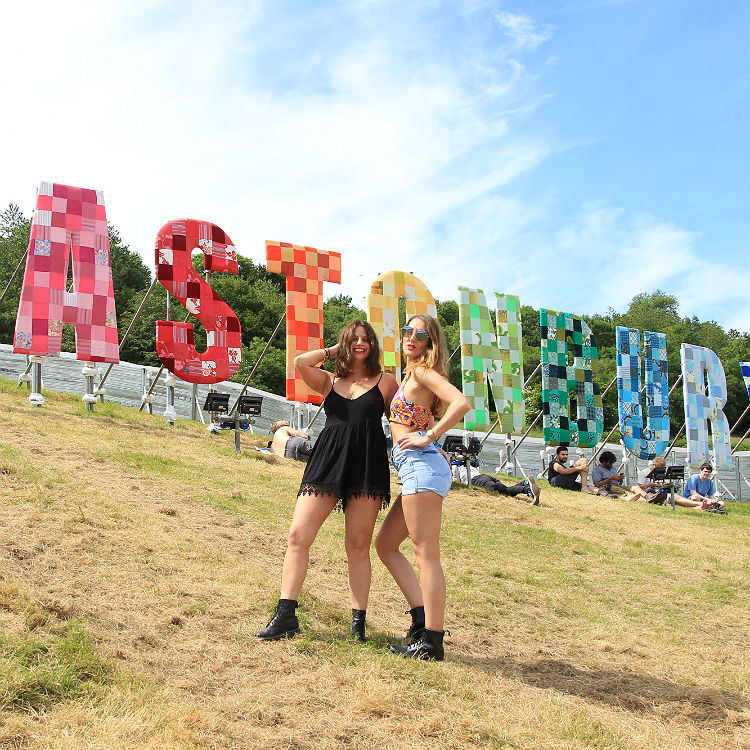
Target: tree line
[(258, 299)]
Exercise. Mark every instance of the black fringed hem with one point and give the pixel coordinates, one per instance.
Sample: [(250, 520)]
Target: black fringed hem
[(357, 493)]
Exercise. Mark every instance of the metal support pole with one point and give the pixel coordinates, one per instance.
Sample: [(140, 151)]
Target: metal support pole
[(88, 397), (741, 440), (24, 377), (169, 413), (676, 438), (13, 276), (315, 416), (257, 364), (737, 477), (35, 397), (130, 328), (528, 430), (541, 413), (497, 421), (747, 409)]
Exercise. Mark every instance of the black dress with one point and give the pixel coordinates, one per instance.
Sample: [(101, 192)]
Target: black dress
[(350, 458)]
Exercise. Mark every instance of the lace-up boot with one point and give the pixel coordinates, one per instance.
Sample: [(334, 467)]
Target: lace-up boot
[(283, 624), (427, 645), (417, 624)]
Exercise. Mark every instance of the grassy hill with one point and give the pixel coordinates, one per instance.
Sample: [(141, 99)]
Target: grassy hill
[(138, 560)]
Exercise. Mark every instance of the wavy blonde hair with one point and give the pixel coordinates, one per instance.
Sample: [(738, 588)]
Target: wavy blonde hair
[(435, 356)]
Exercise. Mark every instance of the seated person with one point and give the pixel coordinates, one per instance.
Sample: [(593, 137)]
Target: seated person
[(699, 492), (565, 477), (646, 491), (605, 477), (290, 443), (493, 484)]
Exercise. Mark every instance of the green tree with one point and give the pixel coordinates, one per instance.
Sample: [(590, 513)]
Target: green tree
[(14, 239)]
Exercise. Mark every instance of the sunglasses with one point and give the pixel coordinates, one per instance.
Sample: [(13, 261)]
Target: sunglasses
[(421, 335)]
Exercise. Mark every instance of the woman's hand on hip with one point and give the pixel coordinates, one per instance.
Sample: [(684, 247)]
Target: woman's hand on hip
[(413, 440)]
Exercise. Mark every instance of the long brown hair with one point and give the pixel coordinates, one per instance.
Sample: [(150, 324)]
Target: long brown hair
[(344, 359), (435, 356)]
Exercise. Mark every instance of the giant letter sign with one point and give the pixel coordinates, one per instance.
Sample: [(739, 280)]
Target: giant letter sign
[(485, 355), (698, 365), (382, 311), (745, 370), (175, 343), (68, 218), (559, 380), (305, 269), (654, 440)]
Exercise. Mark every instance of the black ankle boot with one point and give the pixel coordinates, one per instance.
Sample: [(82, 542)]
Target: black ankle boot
[(417, 624), (428, 645), (283, 624), (357, 628)]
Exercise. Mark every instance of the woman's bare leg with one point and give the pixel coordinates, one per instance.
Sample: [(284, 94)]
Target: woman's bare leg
[(309, 514), (422, 514), (392, 533), (359, 522)]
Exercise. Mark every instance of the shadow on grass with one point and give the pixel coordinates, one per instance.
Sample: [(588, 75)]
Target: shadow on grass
[(626, 690)]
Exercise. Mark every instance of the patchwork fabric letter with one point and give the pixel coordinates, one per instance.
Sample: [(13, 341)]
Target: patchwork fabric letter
[(305, 269), (382, 311), (175, 341), (702, 371), (494, 356), (654, 439), (561, 379), (68, 221), (745, 370)]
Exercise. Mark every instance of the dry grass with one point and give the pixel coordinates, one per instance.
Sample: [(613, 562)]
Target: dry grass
[(585, 623)]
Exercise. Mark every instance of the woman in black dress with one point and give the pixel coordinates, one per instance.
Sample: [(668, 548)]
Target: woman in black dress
[(348, 466)]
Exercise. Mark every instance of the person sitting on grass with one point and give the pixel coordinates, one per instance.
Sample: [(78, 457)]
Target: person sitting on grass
[(647, 491), (567, 478), (605, 477), (699, 492)]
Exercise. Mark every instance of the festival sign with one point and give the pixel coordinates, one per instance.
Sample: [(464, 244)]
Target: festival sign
[(305, 269), (704, 387), (383, 314), (68, 221), (491, 356), (175, 341), (72, 221), (652, 440), (561, 333)]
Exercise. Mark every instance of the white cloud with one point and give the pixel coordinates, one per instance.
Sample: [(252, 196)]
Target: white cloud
[(523, 31), (388, 132), (358, 141), (620, 255)]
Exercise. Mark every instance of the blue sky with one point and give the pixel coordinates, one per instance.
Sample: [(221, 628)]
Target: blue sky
[(573, 153)]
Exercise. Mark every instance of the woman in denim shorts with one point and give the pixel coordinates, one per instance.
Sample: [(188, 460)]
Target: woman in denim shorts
[(424, 396)]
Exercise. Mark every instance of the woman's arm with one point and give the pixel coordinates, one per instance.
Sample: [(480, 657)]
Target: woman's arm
[(307, 366), (388, 387), (458, 405)]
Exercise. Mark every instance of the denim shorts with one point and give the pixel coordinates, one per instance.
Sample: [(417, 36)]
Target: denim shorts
[(422, 470)]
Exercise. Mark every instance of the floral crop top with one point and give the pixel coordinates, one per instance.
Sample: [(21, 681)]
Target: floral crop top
[(407, 413)]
